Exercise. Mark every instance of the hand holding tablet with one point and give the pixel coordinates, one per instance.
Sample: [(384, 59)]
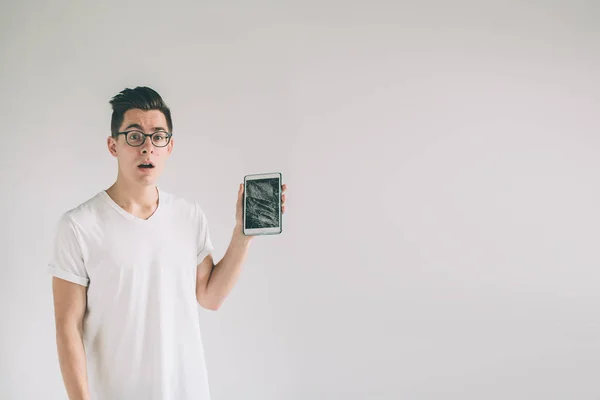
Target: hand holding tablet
[(263, 204)]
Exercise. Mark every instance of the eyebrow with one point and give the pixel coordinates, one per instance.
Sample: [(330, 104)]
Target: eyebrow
[(139, 127)]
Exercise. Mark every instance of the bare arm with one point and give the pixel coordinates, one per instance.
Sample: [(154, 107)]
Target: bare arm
[(215, 282), (69, 309)]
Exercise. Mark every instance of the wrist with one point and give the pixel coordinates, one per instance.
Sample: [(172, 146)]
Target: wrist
[(238, 234)]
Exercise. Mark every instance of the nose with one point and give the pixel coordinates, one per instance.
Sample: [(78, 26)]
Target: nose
[(147, 147)]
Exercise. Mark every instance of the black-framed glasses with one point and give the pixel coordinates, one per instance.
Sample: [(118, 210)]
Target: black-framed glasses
[(136, 138)]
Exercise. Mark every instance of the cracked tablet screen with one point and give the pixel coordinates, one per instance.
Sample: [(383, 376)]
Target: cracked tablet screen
[(262, 203)]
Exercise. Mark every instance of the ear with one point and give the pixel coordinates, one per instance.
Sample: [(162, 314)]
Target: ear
[(112, 146), (170, 145)]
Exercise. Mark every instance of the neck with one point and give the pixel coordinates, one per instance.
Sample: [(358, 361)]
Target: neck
[(133, 196)]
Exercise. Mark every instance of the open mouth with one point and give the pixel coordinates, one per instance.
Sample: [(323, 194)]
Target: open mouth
[(150, 165)]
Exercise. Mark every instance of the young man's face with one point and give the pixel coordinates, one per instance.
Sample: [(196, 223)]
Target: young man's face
[(130, 158)]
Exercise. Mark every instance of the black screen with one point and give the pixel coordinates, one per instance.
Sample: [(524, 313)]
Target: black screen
[(262, 203)]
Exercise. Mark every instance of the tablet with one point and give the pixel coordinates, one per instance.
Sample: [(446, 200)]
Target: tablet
[(262, 204)]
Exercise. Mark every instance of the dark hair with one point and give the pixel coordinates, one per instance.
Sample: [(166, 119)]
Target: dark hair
[(142, 98)]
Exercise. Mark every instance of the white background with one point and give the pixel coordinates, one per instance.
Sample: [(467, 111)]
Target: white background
[(441, 236)]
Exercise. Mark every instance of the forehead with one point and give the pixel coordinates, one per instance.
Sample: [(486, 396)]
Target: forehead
[(148, 120)]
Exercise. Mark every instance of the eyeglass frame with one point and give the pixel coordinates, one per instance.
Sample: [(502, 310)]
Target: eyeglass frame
[(145, 135)]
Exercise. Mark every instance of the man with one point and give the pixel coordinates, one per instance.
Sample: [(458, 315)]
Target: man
[(130, 266)]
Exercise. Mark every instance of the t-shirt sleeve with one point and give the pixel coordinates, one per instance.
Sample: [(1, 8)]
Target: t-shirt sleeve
[(66, 261), (204, 243)]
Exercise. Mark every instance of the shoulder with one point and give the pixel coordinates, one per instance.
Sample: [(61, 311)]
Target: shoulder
[(73, 223), (84, 213), (189, 207)]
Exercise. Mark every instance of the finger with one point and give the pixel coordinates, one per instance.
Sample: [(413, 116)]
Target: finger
[(282, 209), (283, 188), (283, 199), (240, 195)]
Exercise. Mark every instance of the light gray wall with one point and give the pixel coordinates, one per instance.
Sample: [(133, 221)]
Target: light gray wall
[(441, 240)]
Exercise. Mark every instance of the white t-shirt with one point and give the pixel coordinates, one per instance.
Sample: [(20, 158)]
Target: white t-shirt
[(141, 327)]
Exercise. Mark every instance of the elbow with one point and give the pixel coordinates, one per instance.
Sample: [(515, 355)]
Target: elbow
[(209, 304), (69, 326), (212, 307)]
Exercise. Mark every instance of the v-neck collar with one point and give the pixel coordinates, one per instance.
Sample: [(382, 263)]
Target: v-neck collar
[(129, 215)]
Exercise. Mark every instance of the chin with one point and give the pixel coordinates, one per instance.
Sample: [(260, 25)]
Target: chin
[(147, 180)]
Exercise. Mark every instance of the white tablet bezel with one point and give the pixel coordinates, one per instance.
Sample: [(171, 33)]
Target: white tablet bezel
[(262, 231)]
